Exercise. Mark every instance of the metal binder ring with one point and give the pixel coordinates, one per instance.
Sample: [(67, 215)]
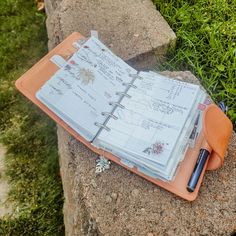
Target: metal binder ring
[(116, 104), (102, 126), (109, 114), (124, 94), (130, 85), (135, 76)]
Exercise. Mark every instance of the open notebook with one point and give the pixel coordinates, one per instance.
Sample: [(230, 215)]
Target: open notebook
[(144, 118), (149, 124)]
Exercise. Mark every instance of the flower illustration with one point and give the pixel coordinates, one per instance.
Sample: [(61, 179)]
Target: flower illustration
[(156, 149), (87, 76)]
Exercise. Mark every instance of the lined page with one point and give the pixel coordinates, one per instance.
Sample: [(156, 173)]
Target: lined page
[(80, 91), (153, 117)]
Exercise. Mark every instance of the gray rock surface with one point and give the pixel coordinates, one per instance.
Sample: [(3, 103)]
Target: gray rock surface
[(118, 202), (133, 29)]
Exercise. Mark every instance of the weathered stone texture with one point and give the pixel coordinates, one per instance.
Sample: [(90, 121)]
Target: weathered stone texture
[(133, 29)]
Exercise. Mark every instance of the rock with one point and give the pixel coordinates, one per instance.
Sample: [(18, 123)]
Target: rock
[(108, 199), (133, 29), (135, 192), (114, 196), (93, 183), (150, 234), (153, 210)]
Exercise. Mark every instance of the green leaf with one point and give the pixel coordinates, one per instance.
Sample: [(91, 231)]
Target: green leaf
[(221, 67)]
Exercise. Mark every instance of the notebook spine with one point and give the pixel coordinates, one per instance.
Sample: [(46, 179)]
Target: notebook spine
[(116, 104)]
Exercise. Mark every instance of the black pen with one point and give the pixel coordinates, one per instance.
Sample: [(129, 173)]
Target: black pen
[(202, 158)]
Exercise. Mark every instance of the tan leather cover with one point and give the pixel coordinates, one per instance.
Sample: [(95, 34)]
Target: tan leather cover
[(217, 129), (33, 79)]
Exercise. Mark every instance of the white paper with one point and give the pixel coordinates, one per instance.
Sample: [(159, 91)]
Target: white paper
[(85, 86), (153, 118)]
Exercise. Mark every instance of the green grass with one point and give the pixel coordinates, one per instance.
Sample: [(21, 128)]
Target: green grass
[(206, 44), (32, 159)]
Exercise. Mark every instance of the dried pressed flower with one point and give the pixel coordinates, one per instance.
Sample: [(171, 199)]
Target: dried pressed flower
[(102, 164)]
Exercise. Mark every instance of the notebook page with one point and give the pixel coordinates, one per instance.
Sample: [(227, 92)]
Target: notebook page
[(153, 169), (153, 118), (80, 91), (167, 172)]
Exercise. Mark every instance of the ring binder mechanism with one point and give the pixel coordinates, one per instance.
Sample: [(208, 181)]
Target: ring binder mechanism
[(123, 94), (130, 85), (109, 114), (116, 104), (135, 76), (79, 43), (102, 126)]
